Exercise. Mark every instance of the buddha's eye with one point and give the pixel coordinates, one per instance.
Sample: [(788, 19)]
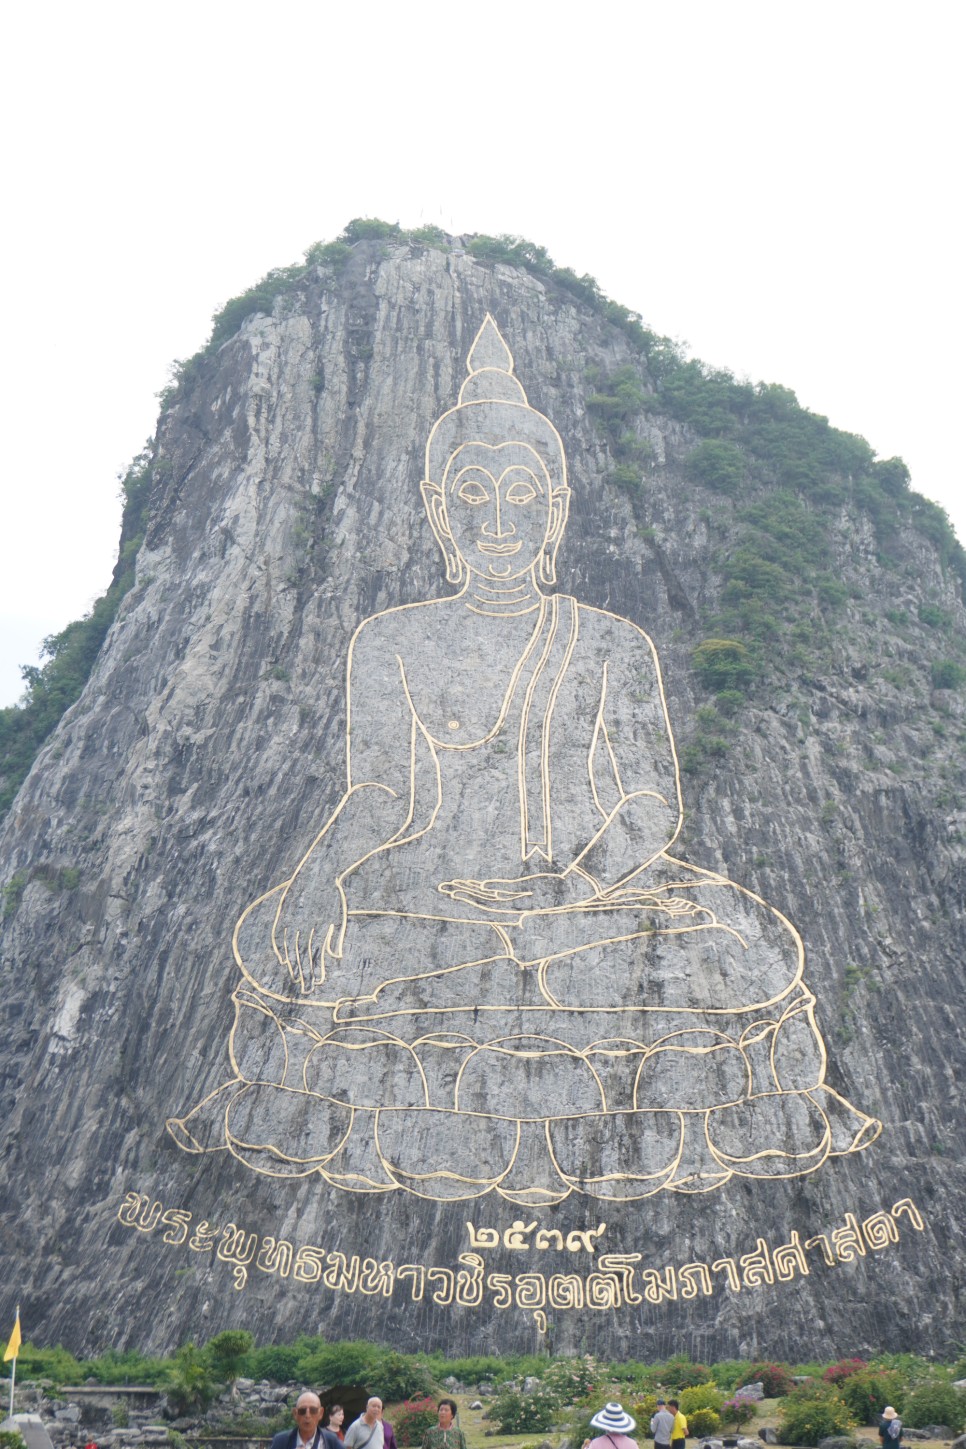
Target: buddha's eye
[(520, 492), (473, 491)]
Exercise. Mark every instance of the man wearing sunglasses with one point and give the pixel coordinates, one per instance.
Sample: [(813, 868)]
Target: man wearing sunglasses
[(307, 1433)]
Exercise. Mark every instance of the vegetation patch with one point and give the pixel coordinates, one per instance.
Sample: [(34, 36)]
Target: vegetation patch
[(936, 1402), (52, 687), (813, 1413), (413, 1419), (775, 1378), (869, 1390)]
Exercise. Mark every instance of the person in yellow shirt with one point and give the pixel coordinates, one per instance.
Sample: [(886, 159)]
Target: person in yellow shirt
[(679, 1429)]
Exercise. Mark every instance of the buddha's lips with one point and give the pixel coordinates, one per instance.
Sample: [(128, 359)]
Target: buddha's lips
[(500, 548)]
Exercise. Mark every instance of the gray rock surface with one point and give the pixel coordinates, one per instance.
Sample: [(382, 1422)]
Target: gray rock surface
[(208, 748), (31, 1429)]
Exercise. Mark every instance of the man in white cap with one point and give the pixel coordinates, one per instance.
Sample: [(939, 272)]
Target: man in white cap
[(615, 1426)]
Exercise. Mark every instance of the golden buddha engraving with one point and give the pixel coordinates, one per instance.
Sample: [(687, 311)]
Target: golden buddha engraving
[(487, 973)]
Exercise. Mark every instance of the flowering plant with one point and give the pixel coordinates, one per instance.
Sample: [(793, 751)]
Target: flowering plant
[(844, 1369), (737, 1411), (413, 1419)]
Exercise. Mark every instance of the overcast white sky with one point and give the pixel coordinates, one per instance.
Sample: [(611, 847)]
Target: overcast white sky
[(777, 185)]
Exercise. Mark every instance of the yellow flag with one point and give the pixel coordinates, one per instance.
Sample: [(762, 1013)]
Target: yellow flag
[(13, 1346)]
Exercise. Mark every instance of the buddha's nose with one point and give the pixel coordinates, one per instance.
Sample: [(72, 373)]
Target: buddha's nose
[(502, 529)]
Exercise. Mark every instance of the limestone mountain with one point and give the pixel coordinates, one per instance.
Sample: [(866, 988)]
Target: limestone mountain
[(324, 998)]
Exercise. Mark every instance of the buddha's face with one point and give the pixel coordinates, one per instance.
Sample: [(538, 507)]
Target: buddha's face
[(498, 508)]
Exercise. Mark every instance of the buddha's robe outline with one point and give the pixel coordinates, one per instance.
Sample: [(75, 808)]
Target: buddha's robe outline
[(620, 982), (488, 972)]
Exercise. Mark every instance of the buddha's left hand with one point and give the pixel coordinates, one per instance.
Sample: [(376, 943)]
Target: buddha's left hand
[(544, 891)]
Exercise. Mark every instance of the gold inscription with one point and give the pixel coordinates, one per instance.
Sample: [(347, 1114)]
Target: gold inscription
[(616, 1280), (517, 1236)]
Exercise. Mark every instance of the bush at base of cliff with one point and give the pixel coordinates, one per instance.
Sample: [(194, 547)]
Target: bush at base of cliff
[(844, 1369), (517, 1413), (571, 1379), (702, 1396), (728, 1373), (188, 1385), (402, 1377), (703, 1423), (643, 1410), (936, 1402), (413, 1419), (56, 1364), (868, 1392), (575, 1428), (775, 1379), (811, 1414), (679, 1372), (737, 1411)]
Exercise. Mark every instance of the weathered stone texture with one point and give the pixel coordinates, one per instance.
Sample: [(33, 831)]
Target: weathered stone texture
[(209, 745)]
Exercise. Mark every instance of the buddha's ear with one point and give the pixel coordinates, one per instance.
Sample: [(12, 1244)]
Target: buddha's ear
[(435, 504), (559, 508)]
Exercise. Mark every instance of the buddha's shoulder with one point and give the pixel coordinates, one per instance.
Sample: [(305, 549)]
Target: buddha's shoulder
[(405, 624), (606, 628)]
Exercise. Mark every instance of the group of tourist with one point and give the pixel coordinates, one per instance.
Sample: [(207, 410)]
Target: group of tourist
[(317, 1429), (669, 1428), (314, 1429)]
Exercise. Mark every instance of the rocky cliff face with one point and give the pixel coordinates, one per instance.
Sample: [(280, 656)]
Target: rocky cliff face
[(206, 753)]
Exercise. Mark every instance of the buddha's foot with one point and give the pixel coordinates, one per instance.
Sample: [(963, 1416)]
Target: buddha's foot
[(275, 1130)]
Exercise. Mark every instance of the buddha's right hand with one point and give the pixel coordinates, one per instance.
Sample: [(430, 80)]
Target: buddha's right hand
[(307, 936)]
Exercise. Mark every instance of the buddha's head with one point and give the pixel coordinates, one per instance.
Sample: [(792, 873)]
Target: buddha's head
[(496, 477)]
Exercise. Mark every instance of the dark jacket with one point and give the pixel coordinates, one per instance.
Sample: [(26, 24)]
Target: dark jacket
[(289, 1438)]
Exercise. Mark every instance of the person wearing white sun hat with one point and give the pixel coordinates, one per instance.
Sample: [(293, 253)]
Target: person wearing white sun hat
[(615, 1425), (890, 1428)]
